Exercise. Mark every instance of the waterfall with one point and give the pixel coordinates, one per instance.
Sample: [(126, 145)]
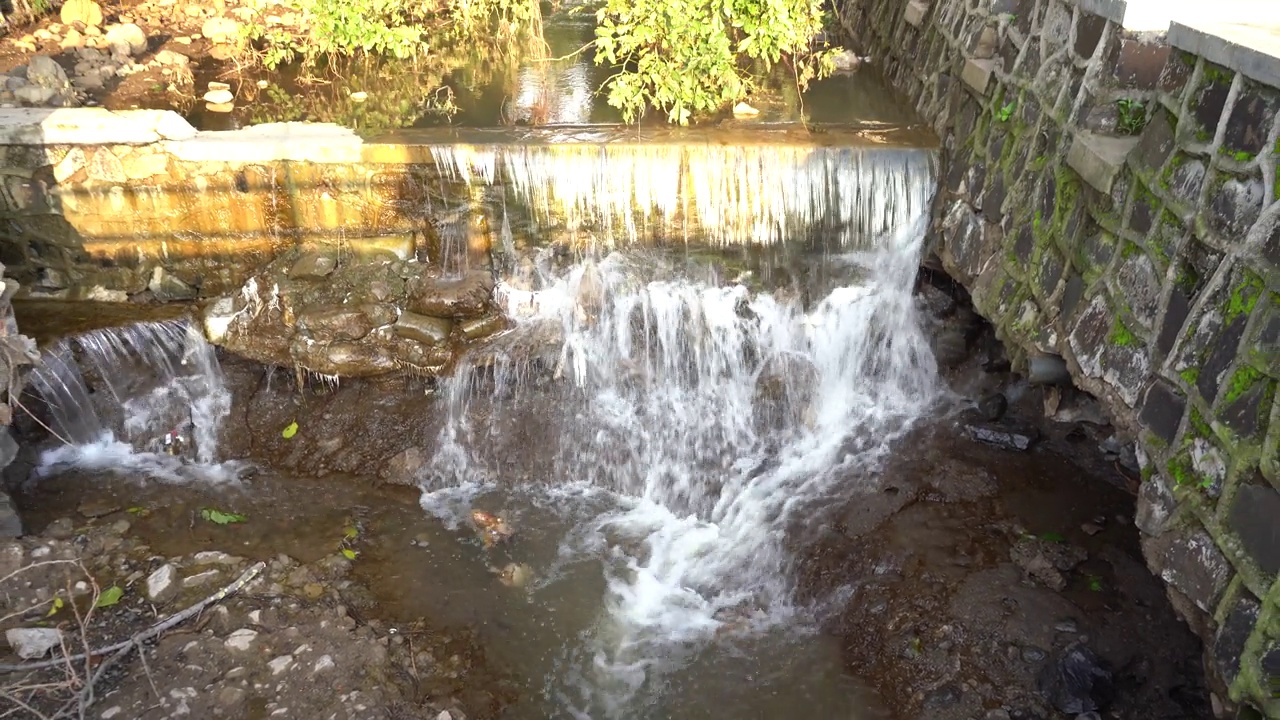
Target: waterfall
[(763, 194), (719, 421), (147, 397)]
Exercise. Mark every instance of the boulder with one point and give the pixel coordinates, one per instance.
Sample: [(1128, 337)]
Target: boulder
[(220, 30), (81, 11), (463, 297), (425, 329), (403, 468), (43, 71), (127, 39), (335, 323), (32, 643)]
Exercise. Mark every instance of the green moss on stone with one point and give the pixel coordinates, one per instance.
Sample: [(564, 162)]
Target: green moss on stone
[(1122, 336), (1244, 297), (1203, 136), (1241, 380), (1217, 74), (1201, 426), (1190, 375)]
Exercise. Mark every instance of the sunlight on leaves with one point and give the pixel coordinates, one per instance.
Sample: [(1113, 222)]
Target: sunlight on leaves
[(219, 517), (110, 596)]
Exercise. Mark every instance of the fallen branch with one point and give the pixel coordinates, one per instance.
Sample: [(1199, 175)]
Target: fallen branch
[(122, 648)]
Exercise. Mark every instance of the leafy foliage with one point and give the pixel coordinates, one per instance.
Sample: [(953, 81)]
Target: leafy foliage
[(690, 57), (392, 28), (219, 517), (289, 430), (110, 596), (1132, 116)]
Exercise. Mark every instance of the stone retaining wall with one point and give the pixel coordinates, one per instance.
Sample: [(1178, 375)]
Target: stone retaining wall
[(1111, 197)]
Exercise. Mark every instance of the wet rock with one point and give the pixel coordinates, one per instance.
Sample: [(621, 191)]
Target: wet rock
[(428, 330), (403, 468), (337, 323), (169, 58), (10, 521), (165, 286), (241, 639), (313, 265), (1046, 561), (950, 347), (97, 507), (1077, 681), (162, 584), (993, 407), (87, 12), (280, 664), (32, 643), (220, 30), (465, 297), (219, 97), (60, 529), (483, 327), (200, 579), (126, 39), (1009, 436)]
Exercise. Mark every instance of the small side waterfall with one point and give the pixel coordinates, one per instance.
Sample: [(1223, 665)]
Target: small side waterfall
[(143, 396)]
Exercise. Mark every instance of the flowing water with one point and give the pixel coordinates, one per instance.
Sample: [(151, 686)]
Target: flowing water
[(699, 424), (148, 397)]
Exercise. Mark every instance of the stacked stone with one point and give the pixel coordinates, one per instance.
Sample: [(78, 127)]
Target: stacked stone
[(1111, 198), (17, 354)]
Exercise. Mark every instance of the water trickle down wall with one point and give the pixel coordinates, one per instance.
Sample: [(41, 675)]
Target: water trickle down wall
[(1147, 255), (344, 257)]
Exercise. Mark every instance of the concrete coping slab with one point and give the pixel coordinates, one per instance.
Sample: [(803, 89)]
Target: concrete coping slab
[(90, 126), (291, 141), (1157, 15), (1247, 48)]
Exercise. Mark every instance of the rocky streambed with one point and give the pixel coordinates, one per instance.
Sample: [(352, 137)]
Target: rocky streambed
[(966, 580)]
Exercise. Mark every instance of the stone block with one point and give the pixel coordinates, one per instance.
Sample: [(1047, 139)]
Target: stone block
[(977, 74), (1162, 409), (915, 13), (1255, 519), (1137, 280), (1175, 74), (1156, 505), (1208, 100), (1234, 206), (1175, 316), (1190, 561), (1245, 407), (1156, 142), (1098, 159), (1139, 62), (1088, 32), (1229, 641), (1250, 120)]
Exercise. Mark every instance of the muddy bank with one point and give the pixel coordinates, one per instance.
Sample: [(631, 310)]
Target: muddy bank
[(296, 640)]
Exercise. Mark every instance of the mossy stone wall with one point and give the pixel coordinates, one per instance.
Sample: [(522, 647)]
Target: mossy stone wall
[(1112, 198)]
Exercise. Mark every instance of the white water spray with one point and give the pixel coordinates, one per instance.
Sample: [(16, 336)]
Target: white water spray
[(722, 422), (148, 398)]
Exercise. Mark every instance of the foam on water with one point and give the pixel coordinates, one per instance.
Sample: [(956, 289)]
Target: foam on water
[(113, 394), (721, 422)]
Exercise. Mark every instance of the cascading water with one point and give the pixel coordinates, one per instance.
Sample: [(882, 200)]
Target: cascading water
[(622, 193), (717, 422), (143, 397)]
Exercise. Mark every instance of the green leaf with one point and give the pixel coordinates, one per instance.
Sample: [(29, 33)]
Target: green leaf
[(289, 430), (138, 510), (218, 517), (110, 596), (1053, 537), (349, 554), (351, 533), (57, 605)]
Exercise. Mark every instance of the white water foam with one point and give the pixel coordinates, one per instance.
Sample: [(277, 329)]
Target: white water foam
[(721, 421), (113, 394)]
